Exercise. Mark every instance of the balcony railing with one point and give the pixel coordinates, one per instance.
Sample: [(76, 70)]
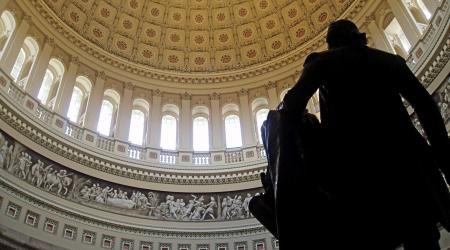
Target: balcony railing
[(49, 119), (426, 59)]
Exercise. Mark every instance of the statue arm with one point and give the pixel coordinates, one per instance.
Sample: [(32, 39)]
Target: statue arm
[(297, 98), (428, 113)]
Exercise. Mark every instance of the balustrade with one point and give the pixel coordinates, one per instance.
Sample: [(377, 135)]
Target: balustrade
[(73, 131), (234, 156), (167, 157), (261, 153), (426, 46), (136, 152), (16, 94), (22, 82), (201, 158), (44, 115), (105, 143)]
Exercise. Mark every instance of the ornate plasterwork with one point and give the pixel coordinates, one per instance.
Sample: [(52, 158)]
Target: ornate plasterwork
[(87, 159), (47, 175), (250, 49), (127, 228)]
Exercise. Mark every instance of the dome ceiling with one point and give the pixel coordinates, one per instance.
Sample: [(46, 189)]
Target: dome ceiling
[(198, 35)]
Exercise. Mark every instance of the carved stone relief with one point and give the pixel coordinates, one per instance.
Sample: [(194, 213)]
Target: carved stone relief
[(35, 169)]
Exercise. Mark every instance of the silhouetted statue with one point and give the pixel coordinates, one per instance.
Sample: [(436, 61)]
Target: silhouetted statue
[(376, 183)]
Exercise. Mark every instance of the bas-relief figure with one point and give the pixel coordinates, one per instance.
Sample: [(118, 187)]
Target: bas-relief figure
[(51, 177)]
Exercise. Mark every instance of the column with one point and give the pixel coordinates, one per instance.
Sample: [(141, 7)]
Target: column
[(12, 49), (94, 104), (65, 90), (3, 4), (406, 20), (40, 66), (247, 128), (155, 120), (216, 123), (124, 113), (273, 96), (378, 36), (186, 123)]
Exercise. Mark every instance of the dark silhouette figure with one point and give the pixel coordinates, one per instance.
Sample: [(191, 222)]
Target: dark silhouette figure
[(382, 177)]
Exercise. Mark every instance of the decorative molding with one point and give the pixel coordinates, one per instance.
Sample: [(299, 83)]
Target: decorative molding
[(277, 60), (125, 170), (124, 227)]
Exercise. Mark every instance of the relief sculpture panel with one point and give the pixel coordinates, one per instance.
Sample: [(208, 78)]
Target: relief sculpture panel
[(18, 161)]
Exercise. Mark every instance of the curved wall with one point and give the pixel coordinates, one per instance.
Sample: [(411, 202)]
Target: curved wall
[(35, 208)]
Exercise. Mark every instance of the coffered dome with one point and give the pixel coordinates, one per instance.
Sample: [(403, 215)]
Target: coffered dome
[(198, 35)]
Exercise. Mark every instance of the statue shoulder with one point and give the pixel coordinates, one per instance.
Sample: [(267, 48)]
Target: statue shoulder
[(312, 58)]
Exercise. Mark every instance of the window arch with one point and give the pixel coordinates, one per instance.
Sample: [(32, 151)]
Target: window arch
[(200, 128), (18, 65), (200, 135), (396, 37), (233, 136), (138, 122), (46, 86), (169, 126), (24, 61), (168, 132), (261, 116), (105, 118), (7, 26), (426, 12), (419, 12), (51, 82), (108, 112), (75, 104), (260, 109)]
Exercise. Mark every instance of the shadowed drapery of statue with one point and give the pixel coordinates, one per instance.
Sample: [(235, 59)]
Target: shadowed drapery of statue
[(364, 177)]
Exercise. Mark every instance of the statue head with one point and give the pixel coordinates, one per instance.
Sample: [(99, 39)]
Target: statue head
[(343, 33)]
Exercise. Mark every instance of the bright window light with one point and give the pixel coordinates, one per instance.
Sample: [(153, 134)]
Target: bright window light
[(75, 104), (104, 121), (261, 116), (136, 135), (233, 131), (18, 65), (168, 132), (200, 134), (44, 91)]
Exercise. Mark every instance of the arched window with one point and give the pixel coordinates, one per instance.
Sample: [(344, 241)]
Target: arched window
[(261, 116), (46, 86), (104, 122), (75, 104), (18, 65), (424, 9), (7, 26), (50, 83), (200, 134), (168, 132), (397, 38), (24, 61), (136, 135), (233, 131)]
